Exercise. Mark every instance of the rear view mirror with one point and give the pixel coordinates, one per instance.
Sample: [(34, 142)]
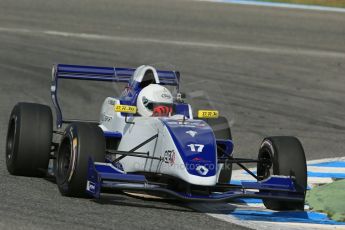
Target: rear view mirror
[(183, 95), (180, 96)]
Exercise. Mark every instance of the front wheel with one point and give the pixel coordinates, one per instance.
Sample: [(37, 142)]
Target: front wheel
[(80, 142), (285, 156)]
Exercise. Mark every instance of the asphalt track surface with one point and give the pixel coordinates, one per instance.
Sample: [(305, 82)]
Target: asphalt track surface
[(273, 71)]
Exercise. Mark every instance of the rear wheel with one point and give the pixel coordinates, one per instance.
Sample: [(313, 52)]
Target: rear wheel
[(221, 129), (29, 139), (283, 156), (80, 142)]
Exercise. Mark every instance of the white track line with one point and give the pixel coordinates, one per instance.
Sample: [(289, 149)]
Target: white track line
[(215, 210), (320, 169), (326, 160), (209, 45), (279, 5)]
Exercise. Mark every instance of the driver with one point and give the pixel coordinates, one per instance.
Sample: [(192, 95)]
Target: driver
[(155, 100)]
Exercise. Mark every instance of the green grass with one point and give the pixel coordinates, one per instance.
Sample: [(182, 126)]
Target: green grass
[(330, 3), (329, 199)]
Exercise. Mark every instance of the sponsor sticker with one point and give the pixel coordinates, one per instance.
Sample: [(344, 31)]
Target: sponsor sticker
[(106, 118), (111, 102), (208, 114), (75, 143), (186, 123), (90, 186), (169, 157), (192, 133), (125, 109), (165, 96), (202, 170), (197, 159)]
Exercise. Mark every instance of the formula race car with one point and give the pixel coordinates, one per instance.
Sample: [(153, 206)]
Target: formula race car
[(148, 140)]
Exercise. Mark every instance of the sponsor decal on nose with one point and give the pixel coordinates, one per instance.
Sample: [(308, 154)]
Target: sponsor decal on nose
[(202, 170), (192, 133)]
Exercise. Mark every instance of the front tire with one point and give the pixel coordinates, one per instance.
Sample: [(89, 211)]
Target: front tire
[(80, 142), (283, 155), (29, 139)]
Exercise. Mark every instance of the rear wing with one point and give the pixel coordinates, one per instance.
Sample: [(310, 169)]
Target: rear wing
[(105, 74)]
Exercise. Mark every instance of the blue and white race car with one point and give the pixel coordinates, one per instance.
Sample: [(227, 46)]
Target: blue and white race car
[(149, 140)]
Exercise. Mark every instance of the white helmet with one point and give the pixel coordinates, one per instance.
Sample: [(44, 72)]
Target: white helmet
[(156, 100)]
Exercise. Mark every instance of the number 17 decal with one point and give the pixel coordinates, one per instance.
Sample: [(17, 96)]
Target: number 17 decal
[(196, 147)]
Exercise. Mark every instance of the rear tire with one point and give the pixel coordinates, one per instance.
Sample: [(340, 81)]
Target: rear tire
[(286, 157), (80, 141), (29, 139), (221, 130)]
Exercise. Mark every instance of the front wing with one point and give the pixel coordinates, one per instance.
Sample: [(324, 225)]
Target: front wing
[(104, 176)]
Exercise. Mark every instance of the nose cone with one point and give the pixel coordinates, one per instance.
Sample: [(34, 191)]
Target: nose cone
[(196, 144)]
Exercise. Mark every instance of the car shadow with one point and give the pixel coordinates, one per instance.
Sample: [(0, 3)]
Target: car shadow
[(131, 200), (139, 201)]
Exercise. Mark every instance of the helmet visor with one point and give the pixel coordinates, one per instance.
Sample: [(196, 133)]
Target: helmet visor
[(158, 108)]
